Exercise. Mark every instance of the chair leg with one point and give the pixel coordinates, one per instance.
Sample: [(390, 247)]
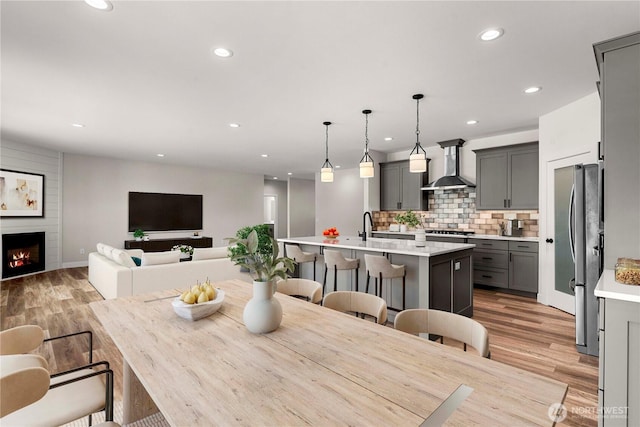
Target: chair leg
[(357, 285), (404, 287), (324, 282), (367, 287), (314, 269), (335, 278), (380, 274)]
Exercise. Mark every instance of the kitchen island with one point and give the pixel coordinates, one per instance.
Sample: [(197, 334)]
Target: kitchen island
[(439, 275)]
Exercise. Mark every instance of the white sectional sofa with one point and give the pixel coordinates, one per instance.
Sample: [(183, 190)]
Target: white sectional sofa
[(114, 273)]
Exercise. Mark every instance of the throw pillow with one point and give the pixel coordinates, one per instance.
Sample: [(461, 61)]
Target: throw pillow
[(155, 258), (209, 253), (137, 260), (100, 248), (122, 258)]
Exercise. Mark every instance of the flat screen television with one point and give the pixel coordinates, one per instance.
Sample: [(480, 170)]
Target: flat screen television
[(164, 212)]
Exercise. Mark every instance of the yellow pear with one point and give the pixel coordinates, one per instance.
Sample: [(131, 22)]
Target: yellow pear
[(195, 288), (211, 292), (189, 298), (184, 294), (203, 297)]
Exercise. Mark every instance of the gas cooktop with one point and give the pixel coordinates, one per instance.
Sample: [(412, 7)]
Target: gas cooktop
[(457, 232)]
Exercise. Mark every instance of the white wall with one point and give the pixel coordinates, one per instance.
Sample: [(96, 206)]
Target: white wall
[(467, 156), (95, 200), (279, 189), (27, 158), (302, 207), (568, 131), (340, 203)]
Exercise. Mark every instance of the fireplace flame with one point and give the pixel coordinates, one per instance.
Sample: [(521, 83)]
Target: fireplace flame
[(19, 259)]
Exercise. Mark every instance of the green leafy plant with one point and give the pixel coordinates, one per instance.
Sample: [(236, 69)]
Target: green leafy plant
[(263, 267), (264, 240), (409, 218), (138, 234)]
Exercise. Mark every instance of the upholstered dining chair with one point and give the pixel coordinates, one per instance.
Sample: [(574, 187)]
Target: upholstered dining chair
[(445, 324), (72, 394), (358, 303), (301, 288)]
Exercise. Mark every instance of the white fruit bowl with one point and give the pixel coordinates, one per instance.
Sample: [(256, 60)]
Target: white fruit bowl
[(198, 311)]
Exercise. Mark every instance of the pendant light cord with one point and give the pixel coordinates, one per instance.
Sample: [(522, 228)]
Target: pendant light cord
[(366, 134), (326, 143), (417, 121)]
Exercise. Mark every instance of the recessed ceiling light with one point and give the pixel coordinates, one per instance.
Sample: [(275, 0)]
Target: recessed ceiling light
[(234, 125), (104, 5), (337, 166), (491, 34), (222, 52), (264, 155), (472, 122), (533, 89), (388, 138), (289, 173), (160, 155), (77, 125), (275, 177)]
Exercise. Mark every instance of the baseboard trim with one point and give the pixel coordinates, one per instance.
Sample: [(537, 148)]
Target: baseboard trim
[(75, 264)]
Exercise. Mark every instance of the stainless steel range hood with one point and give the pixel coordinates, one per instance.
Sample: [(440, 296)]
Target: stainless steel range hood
[(451, 178)]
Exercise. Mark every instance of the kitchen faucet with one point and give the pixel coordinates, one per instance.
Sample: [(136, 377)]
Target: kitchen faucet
[(364, 226)]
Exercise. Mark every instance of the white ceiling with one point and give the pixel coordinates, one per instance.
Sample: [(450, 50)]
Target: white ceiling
[(142, 80)]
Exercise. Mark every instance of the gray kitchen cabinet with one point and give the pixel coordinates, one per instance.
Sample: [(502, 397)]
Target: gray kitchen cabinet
[(618, 61), (523, 271), (507, 177), (451, 283), (400, 189), (618, 379), (507, 264)]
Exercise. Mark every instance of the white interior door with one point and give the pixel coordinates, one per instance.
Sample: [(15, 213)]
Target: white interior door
[(559, 266), (271, 212)]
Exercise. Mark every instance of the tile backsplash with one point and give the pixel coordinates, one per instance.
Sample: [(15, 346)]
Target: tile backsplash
[(456, 209)]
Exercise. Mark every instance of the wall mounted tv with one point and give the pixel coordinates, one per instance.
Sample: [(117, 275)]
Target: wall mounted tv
[(164, 212)]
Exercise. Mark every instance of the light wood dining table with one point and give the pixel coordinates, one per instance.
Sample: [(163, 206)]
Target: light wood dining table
[(320, 367)]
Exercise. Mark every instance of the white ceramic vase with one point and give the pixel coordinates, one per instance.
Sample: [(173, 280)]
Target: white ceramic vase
[(263, 312), (403, 228)]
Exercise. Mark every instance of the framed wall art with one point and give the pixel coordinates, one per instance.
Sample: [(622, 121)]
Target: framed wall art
[(21, 194)]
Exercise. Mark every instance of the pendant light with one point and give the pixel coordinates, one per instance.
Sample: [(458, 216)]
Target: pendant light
[(326, 172), (418, 157), (366, 162)]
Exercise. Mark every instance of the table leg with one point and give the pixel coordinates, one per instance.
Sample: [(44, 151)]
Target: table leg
[(136, 403)]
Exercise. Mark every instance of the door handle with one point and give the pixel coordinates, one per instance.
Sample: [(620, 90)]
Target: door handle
[(505, 203), (549, 240), (572, 284)]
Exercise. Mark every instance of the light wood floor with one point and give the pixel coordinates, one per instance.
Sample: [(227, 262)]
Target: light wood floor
[(522, 333)]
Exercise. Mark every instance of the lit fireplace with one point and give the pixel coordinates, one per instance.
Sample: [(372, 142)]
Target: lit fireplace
[(22, 253)]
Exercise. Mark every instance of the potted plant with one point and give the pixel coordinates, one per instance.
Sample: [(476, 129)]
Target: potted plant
[(264, 241), (263, 313), (138, 235), (411, 219), (186, 251)]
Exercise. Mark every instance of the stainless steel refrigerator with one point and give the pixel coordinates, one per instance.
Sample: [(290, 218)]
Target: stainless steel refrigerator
[(586, 241)]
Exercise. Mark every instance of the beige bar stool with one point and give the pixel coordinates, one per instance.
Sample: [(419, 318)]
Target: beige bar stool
[(294, 252), (336, 261), (379, 267)]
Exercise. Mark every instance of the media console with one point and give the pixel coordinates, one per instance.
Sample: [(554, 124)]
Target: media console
[(160, 245)]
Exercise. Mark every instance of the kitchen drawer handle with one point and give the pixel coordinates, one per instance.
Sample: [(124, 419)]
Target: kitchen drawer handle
[(487, 244), (485, 257), (487, 277), (523, 246)]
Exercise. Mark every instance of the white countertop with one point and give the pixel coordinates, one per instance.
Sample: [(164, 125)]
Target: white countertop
[(373, 244), (607, 287), (470, 236)]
